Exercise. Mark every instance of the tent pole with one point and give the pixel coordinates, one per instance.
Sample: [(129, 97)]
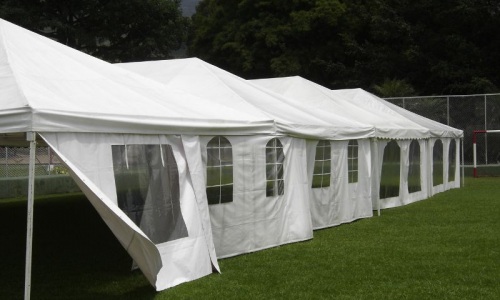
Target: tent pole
[(30, 137), (463, 163)]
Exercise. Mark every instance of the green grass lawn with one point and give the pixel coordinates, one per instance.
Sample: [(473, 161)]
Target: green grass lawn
[(446, 247)]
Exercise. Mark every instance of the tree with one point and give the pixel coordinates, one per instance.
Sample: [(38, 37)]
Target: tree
[(394, 88), (266, 38), (437, 47), (112, 30)]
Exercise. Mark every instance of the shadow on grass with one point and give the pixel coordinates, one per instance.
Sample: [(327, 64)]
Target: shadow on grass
[(75, 255)]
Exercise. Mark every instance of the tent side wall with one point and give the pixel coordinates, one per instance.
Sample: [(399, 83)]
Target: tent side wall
[(254, 220), (166, 263), (438, 169), (342, 200)]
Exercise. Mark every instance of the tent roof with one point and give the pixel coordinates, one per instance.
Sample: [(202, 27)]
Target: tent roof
[(357, 104), (46, 86), (436, 129), (219, 86)]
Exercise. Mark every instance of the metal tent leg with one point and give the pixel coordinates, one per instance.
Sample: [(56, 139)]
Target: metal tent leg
[(30, 137)]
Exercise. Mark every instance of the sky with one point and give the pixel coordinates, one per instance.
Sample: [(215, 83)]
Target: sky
[(189, 7)]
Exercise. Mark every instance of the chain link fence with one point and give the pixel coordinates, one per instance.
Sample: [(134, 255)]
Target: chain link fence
[(51, 176), (15, 161), (466, 112)]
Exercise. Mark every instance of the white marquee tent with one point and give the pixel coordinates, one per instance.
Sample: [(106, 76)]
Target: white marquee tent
[(132, 146), (253, 221), (413, 136), (439, 159), (235, 166)]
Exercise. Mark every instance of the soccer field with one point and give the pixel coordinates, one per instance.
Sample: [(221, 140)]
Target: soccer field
[(445, 247)]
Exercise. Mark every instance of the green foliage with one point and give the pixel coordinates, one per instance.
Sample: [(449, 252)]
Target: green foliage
[(435, 46), (109, 29), (394, 88), (264, 38)]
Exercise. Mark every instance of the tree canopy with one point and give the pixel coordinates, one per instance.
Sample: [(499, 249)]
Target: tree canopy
[(434, 47), (113, 30)]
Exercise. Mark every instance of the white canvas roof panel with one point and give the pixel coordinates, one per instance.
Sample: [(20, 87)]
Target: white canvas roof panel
[(49, 87), (436, 129), (387, 123), (291, 118)]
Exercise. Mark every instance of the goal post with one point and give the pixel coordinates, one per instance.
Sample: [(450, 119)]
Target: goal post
[(475, 133)]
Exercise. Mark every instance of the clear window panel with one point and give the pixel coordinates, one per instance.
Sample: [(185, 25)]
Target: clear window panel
[(274, 167), (224, 143), (280, 155), (452, 161), (147, 188), (322, 165), (213, 195), (327, 167), (226, 175), (219, 170), (271, 157), (213, 157), (281, 187), (269, 188), (414, 168), (226, 156), (354, 177), (317, 181), (326, 180), (271, 172), (213, 176), (437, 163), (352, 161), (318, 168), (280, 171), (226, 192), (320, 153), (390, 179)]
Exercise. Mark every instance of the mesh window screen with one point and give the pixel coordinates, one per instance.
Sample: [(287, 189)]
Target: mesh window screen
[(322, 165), (147, 187), (451, 161), (275, 157), (389, 180), (414, 168), (437, 163), (352, 160), (219, 171)]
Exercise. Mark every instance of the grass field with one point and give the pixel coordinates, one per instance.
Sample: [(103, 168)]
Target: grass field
[(446, 247)]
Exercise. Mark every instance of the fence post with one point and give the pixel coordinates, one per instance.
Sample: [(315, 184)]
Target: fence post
[(448, 110), (49, 161), (6, 162), (485, 128)]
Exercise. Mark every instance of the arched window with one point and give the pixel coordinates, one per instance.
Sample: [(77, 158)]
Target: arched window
[(414, 168), (352, 161), (147, 190), (322, 165), (451, 161), (275, 157), (437, 163), (219, 171), (390, 178)]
